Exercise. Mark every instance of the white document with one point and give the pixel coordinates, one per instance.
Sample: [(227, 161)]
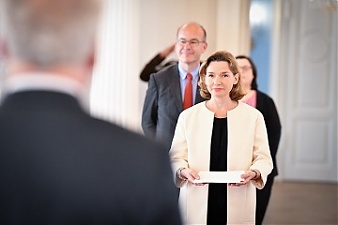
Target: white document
[(220, 177)]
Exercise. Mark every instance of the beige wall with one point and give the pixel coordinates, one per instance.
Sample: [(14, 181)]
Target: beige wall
[(133, 31), (226, 22)]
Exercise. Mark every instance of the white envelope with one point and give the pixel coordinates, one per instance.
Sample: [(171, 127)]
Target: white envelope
[(219, 177)]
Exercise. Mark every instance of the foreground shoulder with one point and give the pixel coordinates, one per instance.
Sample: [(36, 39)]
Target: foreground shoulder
[(196, 109), (111, 132)]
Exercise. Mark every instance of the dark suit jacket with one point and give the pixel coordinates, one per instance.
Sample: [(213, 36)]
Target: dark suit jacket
[(163, 104), (59, 165), (267, 107)]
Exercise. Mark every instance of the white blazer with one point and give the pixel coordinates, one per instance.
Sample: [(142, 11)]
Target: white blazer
[(248, 148)]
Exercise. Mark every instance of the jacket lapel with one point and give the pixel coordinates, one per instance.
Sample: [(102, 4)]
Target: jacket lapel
[(175, 88)]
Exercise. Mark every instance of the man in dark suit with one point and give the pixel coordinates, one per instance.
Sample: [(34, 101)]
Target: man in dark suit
[(58, 165), (164, 98)]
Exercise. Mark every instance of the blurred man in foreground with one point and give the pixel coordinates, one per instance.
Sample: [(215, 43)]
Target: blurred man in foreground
[(58, 165)]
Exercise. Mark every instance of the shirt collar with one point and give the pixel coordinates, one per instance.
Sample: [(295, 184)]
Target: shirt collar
[(183, 73)]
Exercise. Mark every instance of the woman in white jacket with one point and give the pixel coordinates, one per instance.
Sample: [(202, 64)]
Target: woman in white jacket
[(220, 134)]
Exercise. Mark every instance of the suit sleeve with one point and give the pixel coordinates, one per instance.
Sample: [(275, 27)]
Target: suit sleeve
[(150, 67), (150, 107)]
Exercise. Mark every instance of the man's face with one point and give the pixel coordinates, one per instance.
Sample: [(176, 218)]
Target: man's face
[(190, 44)]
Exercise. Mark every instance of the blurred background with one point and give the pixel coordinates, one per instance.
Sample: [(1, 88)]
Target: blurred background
[(294, 46), (293, 43)]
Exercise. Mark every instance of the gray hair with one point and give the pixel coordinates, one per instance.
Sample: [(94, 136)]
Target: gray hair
[(49, 32)]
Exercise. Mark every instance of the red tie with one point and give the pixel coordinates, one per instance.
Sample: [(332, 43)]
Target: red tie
[(187, 102)]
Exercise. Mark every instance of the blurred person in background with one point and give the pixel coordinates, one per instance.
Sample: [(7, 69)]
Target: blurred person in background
[(266, 106), (58, 165), (166, 93)]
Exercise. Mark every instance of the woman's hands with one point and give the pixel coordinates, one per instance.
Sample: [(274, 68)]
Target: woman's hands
[(247, 176), (189, 175)]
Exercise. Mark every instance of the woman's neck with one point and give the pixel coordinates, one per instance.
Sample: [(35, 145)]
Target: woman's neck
[(220, 106), (247, 88)]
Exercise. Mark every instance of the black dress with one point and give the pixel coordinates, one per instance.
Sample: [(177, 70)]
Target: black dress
[(217, 195)]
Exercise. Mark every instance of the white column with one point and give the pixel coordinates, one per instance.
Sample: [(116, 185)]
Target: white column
[(114, 94), (233, 29)]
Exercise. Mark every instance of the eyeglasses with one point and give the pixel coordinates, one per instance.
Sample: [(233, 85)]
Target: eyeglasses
[(245, 68), (192, 42)]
